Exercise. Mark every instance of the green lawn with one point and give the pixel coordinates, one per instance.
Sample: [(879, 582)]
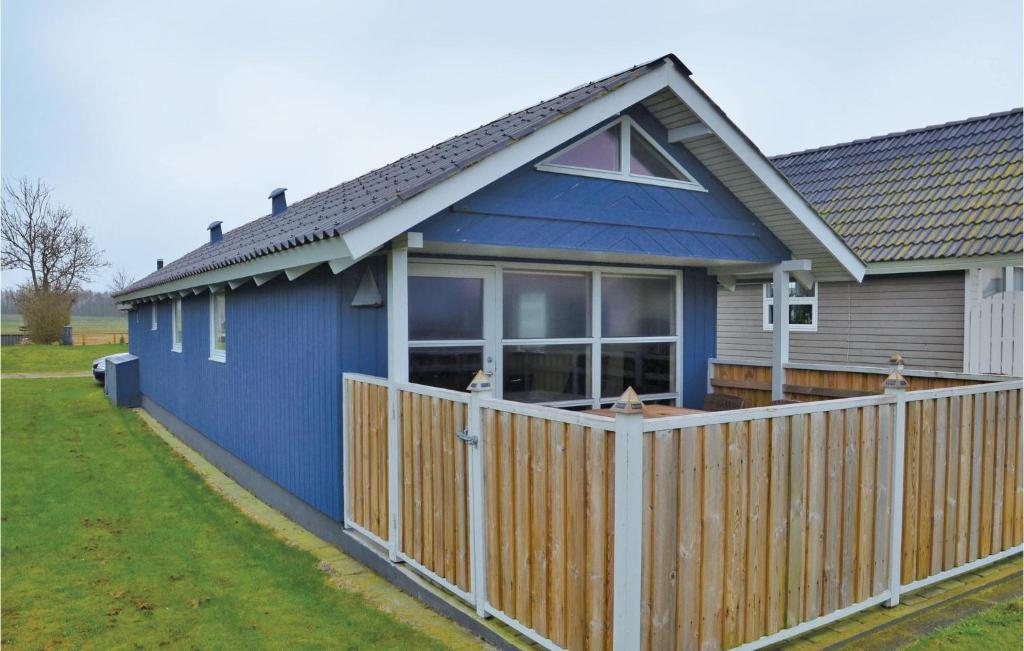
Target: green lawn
[(35, 358), (995, 629), (9, 324), (112, 541)]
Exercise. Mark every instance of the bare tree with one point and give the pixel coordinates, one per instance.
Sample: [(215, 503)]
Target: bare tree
[(120, 282), (44, 239)]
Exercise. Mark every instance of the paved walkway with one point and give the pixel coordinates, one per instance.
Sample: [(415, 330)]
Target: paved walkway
[(920, 612), (44, 375), (343, 572)]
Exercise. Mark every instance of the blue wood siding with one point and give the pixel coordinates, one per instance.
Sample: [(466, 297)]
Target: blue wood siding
[(275, 402), (534, 209), (700, 297)]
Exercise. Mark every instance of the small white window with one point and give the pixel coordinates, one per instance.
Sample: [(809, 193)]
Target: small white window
[(803, 307), (152, 316), (176, 328), (218, 330), (622, 151)]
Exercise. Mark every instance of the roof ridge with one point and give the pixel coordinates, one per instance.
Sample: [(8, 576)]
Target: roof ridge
[(894, 134)]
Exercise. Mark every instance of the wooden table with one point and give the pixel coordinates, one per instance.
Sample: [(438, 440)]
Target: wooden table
[(651, 411)]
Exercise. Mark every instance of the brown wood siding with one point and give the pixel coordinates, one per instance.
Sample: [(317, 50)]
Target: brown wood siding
[(919, 315)]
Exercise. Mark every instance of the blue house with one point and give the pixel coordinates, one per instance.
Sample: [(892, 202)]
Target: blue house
[(570, 250)]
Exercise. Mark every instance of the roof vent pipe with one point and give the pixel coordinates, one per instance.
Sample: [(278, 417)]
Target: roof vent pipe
[(159, 264), (278, 204), (215, 234)]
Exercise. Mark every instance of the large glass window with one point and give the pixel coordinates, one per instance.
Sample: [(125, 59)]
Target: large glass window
[(446, 330), (637, 306), (650, 368), (803, 307), (176, 330), (546, 306), (547, 373), (624, 152), (218, 327)]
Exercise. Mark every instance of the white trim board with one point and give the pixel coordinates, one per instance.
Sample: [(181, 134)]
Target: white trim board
[(950, 264)]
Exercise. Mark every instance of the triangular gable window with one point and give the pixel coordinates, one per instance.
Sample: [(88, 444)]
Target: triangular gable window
[(621, 151)]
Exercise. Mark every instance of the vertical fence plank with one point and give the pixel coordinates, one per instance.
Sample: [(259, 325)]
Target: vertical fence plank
[(949, 544), (998, 472), (795, 565), (736, 533), (492, 483), (834, 511), (408, 469), (758, 470), (507, 497), (908, 563), (712, 574), (926, 489), (963, 496), (817, 461), (987, 476), (461, 491), (778, 521), (1016, 428), (664, 557), (691, 463), (437, 436), (558, 515), (851, 479), (938, 523), (1010, 474), (538, 524), (522, 517), (599, 545), (446, 492), (580, 532), (977, 480), (866, 503), (883, 499)]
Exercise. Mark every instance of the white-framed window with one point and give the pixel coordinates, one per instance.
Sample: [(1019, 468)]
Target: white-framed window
[(152, 316), (218, 327), (176, 325), (622, 151), (567, 336), (803, 307)]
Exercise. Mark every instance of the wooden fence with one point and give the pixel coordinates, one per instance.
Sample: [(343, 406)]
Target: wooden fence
[(713, 530), (752, 380)]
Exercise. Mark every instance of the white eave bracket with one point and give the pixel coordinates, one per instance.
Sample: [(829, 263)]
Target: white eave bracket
[(727, 276)]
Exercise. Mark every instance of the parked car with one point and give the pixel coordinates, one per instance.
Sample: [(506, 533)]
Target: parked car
[(99, 367)]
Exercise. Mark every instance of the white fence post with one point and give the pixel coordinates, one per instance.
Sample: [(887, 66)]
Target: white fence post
[(629, 502), (394, 474), (480, 387), (896, 385)]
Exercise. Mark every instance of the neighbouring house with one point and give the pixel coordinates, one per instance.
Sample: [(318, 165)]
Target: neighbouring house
[(416, 365), (935, 214)]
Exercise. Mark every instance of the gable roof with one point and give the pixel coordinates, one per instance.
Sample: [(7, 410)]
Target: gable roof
[(339, 209), (334, 225), (945, 191)]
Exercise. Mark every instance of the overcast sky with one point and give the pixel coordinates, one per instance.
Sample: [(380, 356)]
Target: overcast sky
[(150, 120)]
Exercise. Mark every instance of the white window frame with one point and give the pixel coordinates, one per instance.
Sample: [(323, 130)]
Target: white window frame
[(766, 303), (494, 321), (215, 354), (626, 126), (153, 321), (176, 316)]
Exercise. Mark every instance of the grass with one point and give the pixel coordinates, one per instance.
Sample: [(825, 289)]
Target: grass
[(10, 324), (111, 541), (995, 629), (36, 358)]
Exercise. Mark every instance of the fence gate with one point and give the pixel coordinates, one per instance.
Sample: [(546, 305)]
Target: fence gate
[(994, 341)]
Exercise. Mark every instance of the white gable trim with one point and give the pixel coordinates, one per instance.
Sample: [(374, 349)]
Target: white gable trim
[(943, 264), (745, 150), (626, 126)]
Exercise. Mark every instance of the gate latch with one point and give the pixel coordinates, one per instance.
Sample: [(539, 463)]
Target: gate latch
[(465, 437)]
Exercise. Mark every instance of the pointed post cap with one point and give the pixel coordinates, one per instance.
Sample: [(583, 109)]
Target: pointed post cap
[(628, 403), (481, 382), (895, 379)]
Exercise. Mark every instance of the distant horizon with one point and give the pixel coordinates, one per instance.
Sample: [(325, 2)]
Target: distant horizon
[(150, 122)]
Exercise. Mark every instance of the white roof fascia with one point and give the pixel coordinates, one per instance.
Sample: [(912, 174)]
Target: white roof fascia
[(948, 264), (741, 146), (384, 227)]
